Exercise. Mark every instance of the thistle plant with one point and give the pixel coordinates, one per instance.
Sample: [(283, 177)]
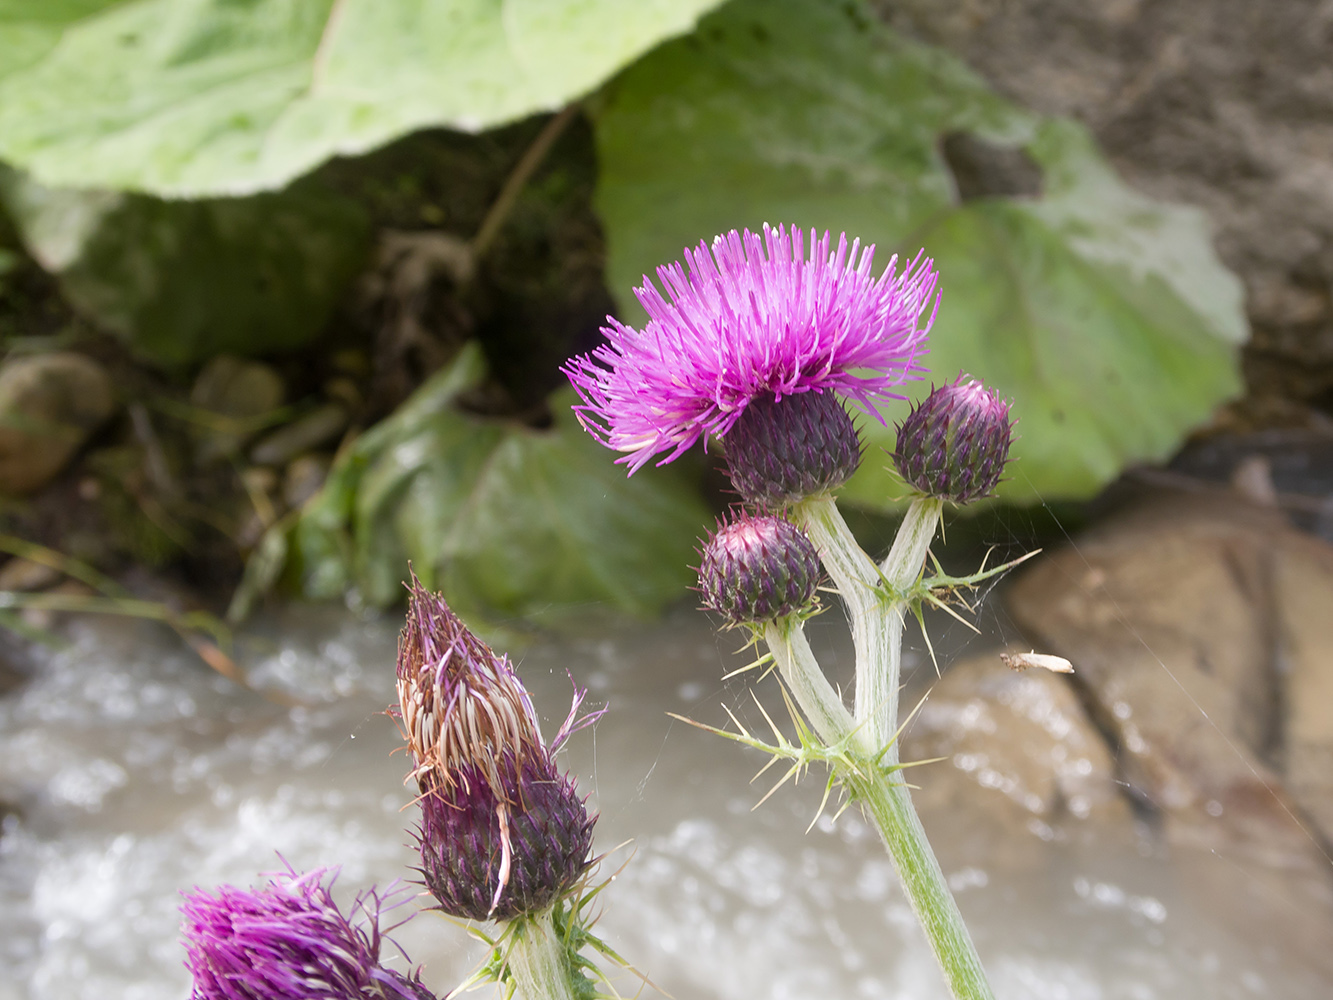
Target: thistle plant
[(757, 344), (503, 837)]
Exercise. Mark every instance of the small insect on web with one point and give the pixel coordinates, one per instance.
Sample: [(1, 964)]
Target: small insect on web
[(1021, 661)]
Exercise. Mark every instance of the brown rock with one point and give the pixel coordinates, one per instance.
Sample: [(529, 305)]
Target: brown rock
[(1167, 613), (1303, 603), (240, 392), (49, 405), (1024, 738), (24, 574)]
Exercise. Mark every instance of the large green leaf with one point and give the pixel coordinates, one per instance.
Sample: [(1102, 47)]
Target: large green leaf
[(207, 97), (1105, 315), (29, 29), (183, 281), (512, 523)]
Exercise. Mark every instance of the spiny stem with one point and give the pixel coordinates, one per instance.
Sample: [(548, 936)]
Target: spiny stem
[(806, 681), (877, 628), (877, 623), (855, 577), (900, 569)]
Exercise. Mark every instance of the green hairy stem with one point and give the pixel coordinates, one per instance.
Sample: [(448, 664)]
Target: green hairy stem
[(538, 962), (874, 598)]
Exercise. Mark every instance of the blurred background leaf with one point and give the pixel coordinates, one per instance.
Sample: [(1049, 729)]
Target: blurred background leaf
[(512, 523), (29, 29), (191, 98), (1105, 315), (182, 281)]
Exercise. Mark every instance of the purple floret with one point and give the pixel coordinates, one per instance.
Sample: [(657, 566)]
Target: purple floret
[(289, 941), (754, 318)]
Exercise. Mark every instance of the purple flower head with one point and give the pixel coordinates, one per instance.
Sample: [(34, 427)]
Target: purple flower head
[(754, 318), (503, 832), (289, 941)]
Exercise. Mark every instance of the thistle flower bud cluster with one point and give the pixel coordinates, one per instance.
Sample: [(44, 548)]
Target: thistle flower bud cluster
[(290, 941), (954, 444), (758, 568), (503, 833)]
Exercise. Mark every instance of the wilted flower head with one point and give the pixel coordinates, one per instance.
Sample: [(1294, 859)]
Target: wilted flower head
[(754, 318), (502, 831), (461, 703), (954, 444), (758, 568), (289, 941)]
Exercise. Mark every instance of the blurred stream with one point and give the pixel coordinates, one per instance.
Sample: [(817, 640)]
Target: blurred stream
[(139, 773)]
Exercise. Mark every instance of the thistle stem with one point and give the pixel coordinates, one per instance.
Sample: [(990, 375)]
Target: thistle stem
[(800, 671), (877, 625), (900, 570), (890, 805), (855, 576), (538, 962)]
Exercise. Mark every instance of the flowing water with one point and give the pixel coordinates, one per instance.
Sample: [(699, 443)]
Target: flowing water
[(138, 773)]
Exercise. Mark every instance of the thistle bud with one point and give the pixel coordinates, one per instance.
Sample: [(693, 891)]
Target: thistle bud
[(758, 568), (503, 833), (954, 444), (289, 941), (783, 450)]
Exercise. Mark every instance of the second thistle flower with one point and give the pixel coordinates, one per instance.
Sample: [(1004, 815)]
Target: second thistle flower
[(503, 833)]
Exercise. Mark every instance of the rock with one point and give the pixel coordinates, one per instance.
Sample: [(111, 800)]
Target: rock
[(1303, 604), (49, 405), (24, 574), (1167, 612), (303, 479), (241, 393), (1019, 744), (317, 427)]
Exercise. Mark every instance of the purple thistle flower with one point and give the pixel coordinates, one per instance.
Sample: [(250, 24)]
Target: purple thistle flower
[(503, 832), (289, 941), (753, 318)]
